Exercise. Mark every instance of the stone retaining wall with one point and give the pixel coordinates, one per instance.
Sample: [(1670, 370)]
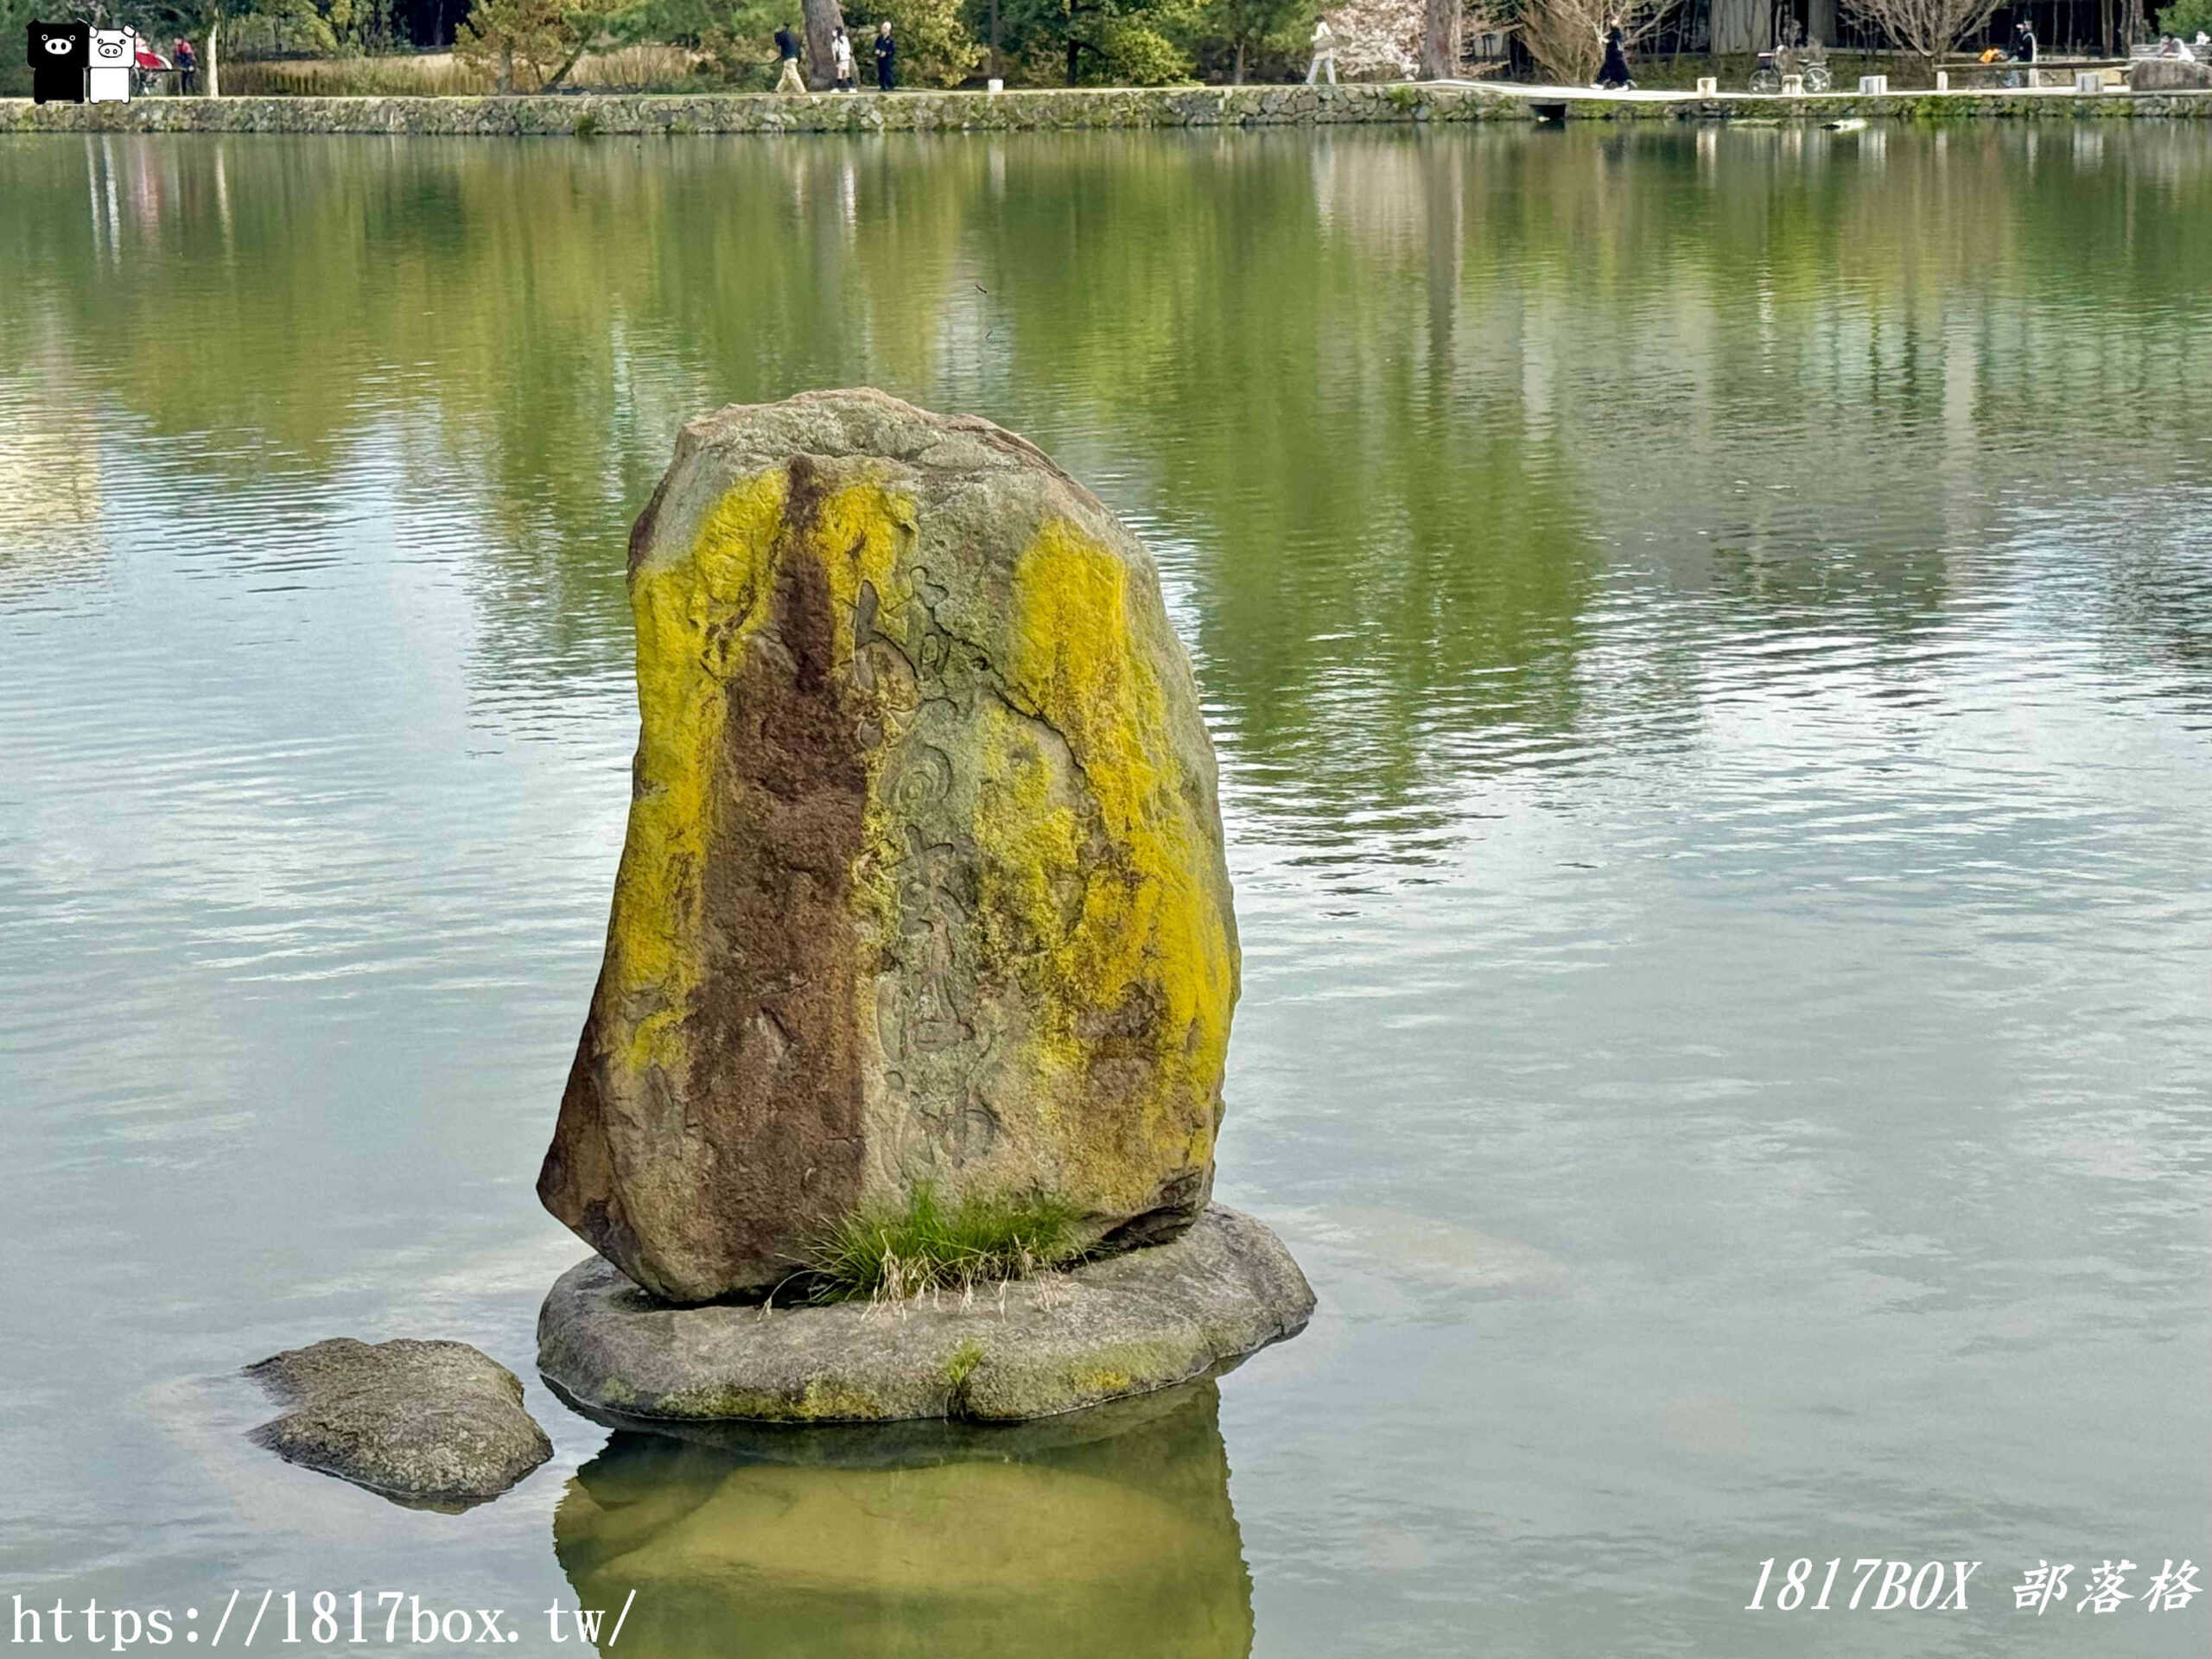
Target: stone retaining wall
[(928, 111)]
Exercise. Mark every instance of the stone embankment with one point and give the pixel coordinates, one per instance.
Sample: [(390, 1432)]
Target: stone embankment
[(612, 114)]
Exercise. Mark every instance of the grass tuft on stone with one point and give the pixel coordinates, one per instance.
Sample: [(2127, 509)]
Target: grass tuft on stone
[(930, 1246), (961, 1363)]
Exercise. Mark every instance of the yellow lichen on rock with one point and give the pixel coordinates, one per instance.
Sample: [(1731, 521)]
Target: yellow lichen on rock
[(693, 615), (1145, 927), (924, 882), (856, 533)]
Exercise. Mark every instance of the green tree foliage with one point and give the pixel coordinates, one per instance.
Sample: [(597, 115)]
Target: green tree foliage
[(212, 25), (1135, 50), (1099, 42), (15, 24), (935, 46), (359, 25), (521, 41), (736, 37), (275, 27), (531, 45), (2184, 17), (599, 27), (689, 22), (1245, 30)]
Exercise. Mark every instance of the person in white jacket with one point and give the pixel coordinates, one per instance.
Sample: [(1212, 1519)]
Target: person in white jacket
[(1325, 54), (840, 61)]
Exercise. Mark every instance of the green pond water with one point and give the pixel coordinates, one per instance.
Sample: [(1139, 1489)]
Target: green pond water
[(1709, 635)]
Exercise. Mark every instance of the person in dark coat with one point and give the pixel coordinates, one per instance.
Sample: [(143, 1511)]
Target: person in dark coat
[(2024, 41), (787, 46), (886, 51), (1614, 73)]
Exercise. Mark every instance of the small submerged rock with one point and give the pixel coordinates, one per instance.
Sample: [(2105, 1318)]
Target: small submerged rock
[(432, 1425)]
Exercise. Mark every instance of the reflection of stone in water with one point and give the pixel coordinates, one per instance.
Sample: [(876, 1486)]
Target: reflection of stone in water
[(1016, 1542), (53, 489)]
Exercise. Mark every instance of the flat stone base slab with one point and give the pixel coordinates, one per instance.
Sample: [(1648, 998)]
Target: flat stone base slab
[(1034, 1348)]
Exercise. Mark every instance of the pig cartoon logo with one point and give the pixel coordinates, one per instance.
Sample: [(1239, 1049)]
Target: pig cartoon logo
[(60, 54), (115, 54)]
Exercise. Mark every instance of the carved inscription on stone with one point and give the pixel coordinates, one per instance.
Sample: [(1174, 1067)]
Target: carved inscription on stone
[(938, 1061)]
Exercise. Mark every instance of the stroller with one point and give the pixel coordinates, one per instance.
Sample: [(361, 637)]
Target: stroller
[(146, 63)]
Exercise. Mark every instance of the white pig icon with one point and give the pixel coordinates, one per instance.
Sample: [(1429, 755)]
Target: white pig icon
[(114, 52)]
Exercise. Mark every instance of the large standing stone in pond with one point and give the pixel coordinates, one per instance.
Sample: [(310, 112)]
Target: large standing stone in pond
[(923, 882)]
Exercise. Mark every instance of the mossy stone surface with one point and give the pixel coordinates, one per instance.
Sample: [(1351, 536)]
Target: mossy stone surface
[(432, 1425), (1108, 1330), (923, 885)]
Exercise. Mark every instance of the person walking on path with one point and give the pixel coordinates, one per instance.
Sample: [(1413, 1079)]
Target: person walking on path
[(787, 43), (1325, 54), (887, 53), (840, 60), (1613, 74), (187, 67)]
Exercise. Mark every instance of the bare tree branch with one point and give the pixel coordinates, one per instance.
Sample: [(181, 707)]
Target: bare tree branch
[(1568, 37), (1927, 27)]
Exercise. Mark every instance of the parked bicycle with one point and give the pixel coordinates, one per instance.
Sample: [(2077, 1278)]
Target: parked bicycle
[(1792, 54)]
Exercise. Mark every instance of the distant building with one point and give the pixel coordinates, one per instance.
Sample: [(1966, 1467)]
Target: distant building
[(1739, 28)]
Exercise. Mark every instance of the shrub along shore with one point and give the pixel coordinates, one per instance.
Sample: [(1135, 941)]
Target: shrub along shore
[(635, 114)]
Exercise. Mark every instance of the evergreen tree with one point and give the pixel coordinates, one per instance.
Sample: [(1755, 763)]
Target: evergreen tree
[(1251, 26), (533, 44), (517, 41), (935, 46), (1130, 43)]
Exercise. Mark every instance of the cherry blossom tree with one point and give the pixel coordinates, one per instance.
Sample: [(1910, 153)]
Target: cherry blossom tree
[(1402, 39)]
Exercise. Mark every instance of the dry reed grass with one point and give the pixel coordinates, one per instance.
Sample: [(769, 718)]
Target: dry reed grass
[(440, 74)]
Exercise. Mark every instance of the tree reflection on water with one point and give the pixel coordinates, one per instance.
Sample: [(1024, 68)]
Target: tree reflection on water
[(1409, 416)]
